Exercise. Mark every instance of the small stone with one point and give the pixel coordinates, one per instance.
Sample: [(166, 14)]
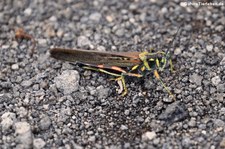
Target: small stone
[(133, 6), (101, 48), (218, 123), (219, 97), (222, 111), (109, 18), (83, 41), (177, 51), (95, 16), (5, 46), (38, 143), (149, 135), (68, 81), (220, 88), (120, 32), (192, 123), (127, 112), (164, 10), (216, 80), (36, 87), (28, 11), (169, 99), (60, 33), (45, 123), (209, 48), (123, 127), (176, 111), (219, 28), (195, 78), (76, 146), (42, 42), (6, 85), (26, 83), (8, 120), (15, 67), (24, 134), (50, 32), (22, 127), (92, 138), (186, 142), (208, 22), (102, 92), (22, 112), (18, 79), (53, 18)]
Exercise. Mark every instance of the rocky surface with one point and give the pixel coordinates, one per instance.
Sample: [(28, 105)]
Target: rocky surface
[(46, 103)]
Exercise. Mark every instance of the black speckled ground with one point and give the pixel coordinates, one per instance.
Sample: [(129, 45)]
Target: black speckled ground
[(47, 103)]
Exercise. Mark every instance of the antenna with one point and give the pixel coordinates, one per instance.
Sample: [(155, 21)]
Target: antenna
[(167, 51)]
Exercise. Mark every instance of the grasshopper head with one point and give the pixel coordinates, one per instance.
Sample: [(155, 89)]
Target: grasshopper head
[(157, 60)]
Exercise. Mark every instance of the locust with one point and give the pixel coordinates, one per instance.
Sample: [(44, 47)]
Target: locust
[(116, 63)]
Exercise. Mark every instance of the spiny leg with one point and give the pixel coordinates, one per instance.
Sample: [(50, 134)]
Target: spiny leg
[(156, 74), (120, 77), (171, 66)]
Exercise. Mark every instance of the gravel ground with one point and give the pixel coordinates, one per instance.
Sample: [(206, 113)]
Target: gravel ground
[(46, 103)]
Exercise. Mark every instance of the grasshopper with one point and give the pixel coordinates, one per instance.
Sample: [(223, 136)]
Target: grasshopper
[(116, 62)]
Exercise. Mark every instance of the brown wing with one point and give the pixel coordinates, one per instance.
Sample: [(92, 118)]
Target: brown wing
[(91, 57)]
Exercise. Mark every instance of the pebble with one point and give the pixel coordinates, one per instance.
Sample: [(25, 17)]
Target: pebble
[(26, 83), (22, 112), (220, 88), (42, 42), (28, 11), (186, 142), (219, 28), (101, 48), (127, 112), (195, 78), (68, 81), (60, 33), (24, 134), (174, 112), (83, 41), (92, 138), (216, 80), (38, 143), (53, 18), (209, 48), (120, 32), (95, 16), (164, 10), (45, 123), (219, 123), (109, 18), (15, 67), (149, 135), (177, 51), (8, 119), (192, 122), (123, 127), (102, 92)]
